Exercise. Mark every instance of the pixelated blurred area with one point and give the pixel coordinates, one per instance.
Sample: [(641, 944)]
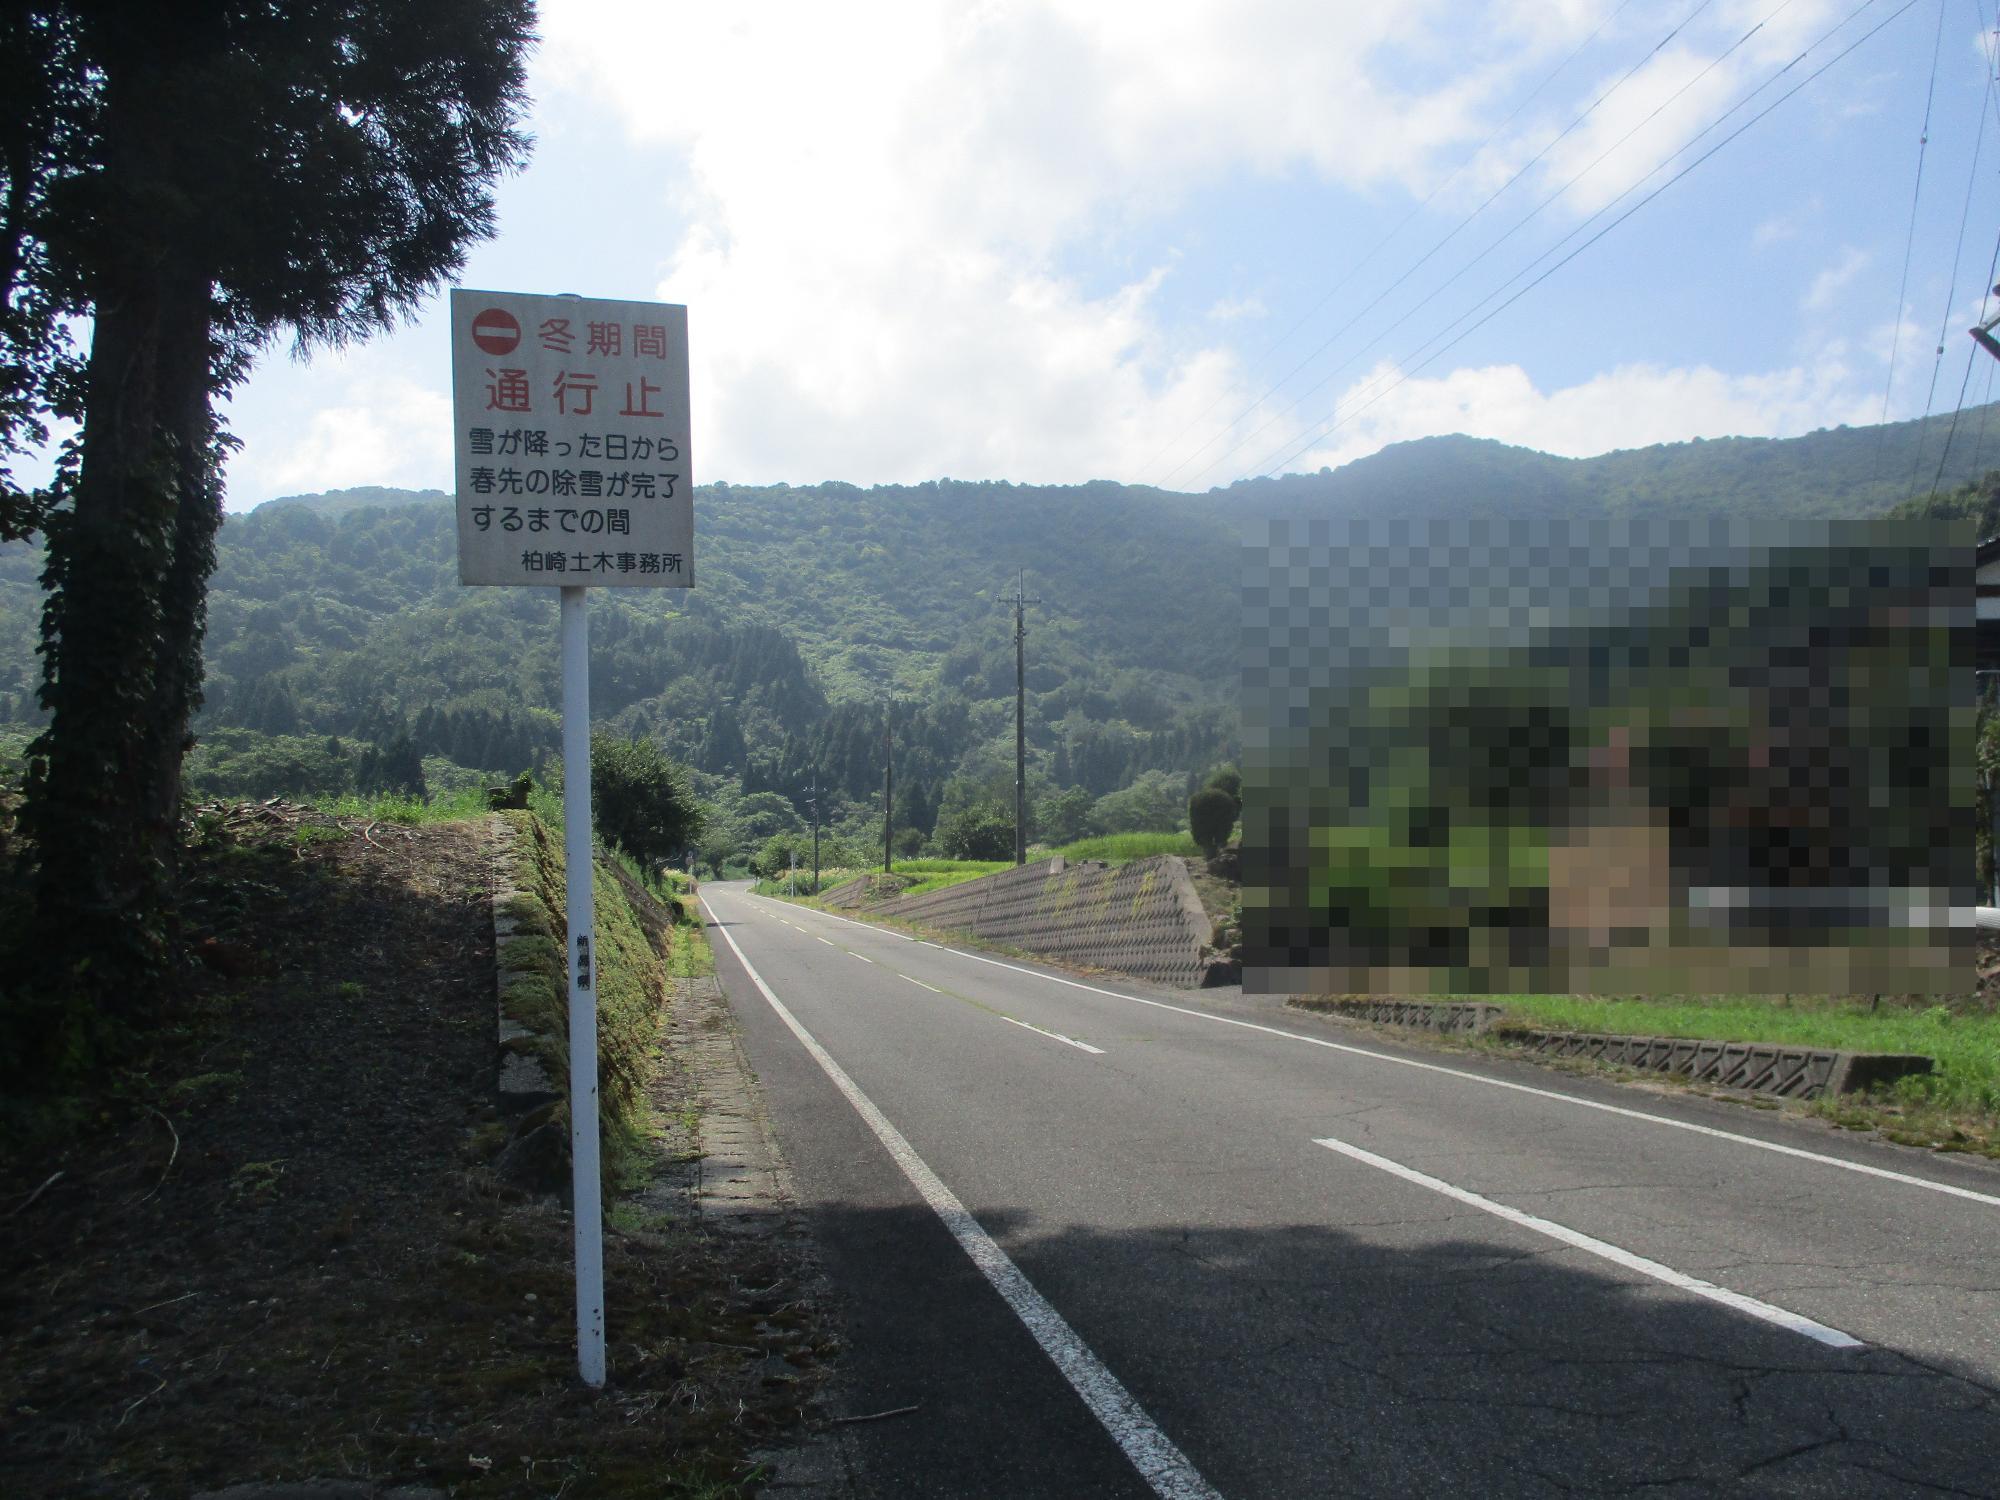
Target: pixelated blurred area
[(1524, 755)]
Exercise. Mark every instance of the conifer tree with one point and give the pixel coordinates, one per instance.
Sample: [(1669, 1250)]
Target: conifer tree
[(199, 179)]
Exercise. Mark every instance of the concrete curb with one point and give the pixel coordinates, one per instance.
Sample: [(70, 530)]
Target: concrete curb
[(1769, 1068)]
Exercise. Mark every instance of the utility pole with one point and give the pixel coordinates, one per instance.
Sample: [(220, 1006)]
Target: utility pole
[(1021, 602), (812, 801), (888, 783), (1982, 333)]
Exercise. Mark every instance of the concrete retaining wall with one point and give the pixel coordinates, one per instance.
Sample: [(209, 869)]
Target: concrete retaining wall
[(1424, 1015), (1142, 918), (1759, 1067)]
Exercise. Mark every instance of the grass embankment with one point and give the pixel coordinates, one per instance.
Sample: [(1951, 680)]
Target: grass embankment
[(286, 1211), (926, 875), (410, 812), (1123, 848), (631, 982)]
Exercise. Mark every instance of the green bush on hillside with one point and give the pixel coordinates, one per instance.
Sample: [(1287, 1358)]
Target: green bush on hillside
[(982, 832), (1211, 815)]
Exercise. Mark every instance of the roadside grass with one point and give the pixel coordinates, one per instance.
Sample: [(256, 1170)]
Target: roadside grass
[(936, 874), (1122, 848), (802, 885), (1957, 1107), (432, 1325), (408, 811)]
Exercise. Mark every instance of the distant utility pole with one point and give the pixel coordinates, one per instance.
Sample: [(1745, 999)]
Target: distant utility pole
[(888, 783), (812, 801), (1021, 602)]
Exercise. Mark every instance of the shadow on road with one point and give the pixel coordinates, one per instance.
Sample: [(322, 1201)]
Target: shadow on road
[(1302, 1360)]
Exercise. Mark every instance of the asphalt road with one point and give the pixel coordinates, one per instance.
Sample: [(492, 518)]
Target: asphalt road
[(1115, 1240)]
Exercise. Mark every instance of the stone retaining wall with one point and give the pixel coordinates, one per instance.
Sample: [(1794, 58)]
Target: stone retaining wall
[(1142, 918)]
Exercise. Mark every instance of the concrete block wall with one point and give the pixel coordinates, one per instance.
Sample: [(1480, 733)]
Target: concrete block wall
[(1758, 1067), (1142, 918)]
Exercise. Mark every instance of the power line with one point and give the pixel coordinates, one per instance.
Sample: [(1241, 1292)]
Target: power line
[(1467, 332), (1992, 268), (1450, 235), (1379, 247), (1985, 411), (1522, 223), (1397, 376), (1951, 288), (1374, 250), (1910, 238)]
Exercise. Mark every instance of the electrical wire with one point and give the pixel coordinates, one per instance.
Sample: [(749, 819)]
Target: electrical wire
[(1374, 250), (1449, 236), (1985, 411), (1951, 431), (1532, 213), (1910, 238), (1951, 283), (1396, 375), (1465, 333)]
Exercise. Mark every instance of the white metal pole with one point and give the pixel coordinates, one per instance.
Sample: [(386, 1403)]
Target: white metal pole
[(583, 1130)]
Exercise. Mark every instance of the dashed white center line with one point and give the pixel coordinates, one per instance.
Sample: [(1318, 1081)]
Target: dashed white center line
[(862, 956), (1800, 1153), (1054, 1036), (828, 941), (922, 986), (1160, 1463), (1768, 1312)]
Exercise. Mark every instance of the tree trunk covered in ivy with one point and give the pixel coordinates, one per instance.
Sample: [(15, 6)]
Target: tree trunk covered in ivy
[(193, 178), (127, 573)]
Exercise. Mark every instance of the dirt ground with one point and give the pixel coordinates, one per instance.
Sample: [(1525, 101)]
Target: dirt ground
[(279, 1253)]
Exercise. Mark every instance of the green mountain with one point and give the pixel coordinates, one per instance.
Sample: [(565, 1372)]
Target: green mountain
[(339, 617), (1841, 471), (364, 497)]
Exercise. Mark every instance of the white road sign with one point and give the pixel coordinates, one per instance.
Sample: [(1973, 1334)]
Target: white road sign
[(570, 420)]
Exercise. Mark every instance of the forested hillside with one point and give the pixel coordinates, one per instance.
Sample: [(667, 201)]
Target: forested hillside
[(342, 652)]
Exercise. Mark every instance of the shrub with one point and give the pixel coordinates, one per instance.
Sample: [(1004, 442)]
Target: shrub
[(1211, 815), (1153, 803), (978, 832), (639, 799), (780, 852)]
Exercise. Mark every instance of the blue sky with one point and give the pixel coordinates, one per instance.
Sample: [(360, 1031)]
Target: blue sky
[(1048, 242)]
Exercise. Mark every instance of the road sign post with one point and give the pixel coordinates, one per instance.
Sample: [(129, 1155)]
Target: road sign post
[(570, 420)]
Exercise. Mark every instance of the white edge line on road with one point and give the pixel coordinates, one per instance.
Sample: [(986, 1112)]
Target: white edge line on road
[(1885, 1173), (1768, 1312), (1152, 1452), (1055, 1036)]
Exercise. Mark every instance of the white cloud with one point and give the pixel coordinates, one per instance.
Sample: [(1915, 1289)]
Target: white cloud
[(880, 200), (374, 425), (1829, 284), (1779, 228), (1621, 134), (1230, 309), (890, 214), (1632, 406)]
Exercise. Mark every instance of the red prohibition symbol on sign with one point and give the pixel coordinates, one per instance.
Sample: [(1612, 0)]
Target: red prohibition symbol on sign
[(495, 331)]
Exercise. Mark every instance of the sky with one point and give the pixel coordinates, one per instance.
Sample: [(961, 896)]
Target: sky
[(1184, 243)]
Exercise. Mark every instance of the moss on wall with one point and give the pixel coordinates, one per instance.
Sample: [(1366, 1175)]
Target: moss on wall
[(630, 977)]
